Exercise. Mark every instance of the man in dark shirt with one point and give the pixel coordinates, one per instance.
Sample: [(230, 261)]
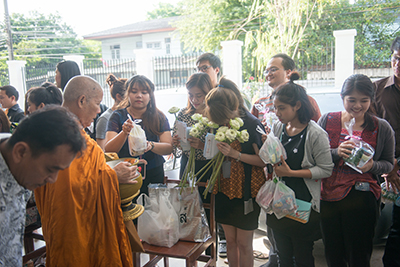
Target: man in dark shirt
[(388, 107), (8, 99)]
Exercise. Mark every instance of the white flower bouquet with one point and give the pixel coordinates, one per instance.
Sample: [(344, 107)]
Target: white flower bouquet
[(228, 135)]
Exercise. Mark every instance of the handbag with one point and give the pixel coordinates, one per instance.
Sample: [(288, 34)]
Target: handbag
[(302, 214)]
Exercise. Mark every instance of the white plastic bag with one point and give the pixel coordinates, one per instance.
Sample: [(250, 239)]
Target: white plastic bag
[(193, 225), (272, 150), (137, 141), (266, 194), (158, 225), (284, 201)]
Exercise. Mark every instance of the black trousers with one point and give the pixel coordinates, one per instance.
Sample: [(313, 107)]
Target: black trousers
[(348, 227), (391, 258), (294, 251)]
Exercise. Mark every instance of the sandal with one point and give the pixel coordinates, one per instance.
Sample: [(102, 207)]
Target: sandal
[(260, 255)]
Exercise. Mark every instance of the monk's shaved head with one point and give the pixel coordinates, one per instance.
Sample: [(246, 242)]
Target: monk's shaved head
[(82, 96), (81, 85)]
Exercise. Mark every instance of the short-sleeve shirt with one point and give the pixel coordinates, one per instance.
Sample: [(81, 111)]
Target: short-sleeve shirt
[(102, 122), (13, 199), (115, 123)]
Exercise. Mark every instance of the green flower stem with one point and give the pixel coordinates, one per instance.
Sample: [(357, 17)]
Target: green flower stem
[(216, 174)]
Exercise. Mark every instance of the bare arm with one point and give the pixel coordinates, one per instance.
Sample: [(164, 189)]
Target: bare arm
[(101, 143), (164, 146), (115, 141)]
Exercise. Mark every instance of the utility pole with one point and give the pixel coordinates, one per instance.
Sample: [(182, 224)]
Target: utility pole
[(8, 29)]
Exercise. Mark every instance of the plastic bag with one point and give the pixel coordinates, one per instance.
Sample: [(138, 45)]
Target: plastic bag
[(284, 201), (361, 153), (270, 118), (159, 224), (137, 141), (272, 150), (193, 225), (388, 194), (266, 194)]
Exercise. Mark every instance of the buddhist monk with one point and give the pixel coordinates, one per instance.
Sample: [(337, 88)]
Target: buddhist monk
[(81, 213)]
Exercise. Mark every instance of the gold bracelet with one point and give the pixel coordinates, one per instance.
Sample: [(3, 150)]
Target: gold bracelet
[(152, 145)]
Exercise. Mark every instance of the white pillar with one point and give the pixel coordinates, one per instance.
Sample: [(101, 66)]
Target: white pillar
[(144, 63), (78, 59), (344, 55), (232, 61), (16, 75)]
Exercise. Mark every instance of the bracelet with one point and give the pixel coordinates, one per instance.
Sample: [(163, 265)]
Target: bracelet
[(238, 158), (152, 145)]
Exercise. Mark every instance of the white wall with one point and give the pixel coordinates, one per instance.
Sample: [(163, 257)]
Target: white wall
[(128, 44)]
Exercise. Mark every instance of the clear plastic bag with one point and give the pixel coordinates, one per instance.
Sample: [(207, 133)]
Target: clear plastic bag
[(266, 194), (284, 201), (361, 153), (389, 194), (159, 223), (272, 150), (137, 141)]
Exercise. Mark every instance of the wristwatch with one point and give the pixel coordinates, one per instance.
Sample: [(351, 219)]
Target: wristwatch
[(398, 161)]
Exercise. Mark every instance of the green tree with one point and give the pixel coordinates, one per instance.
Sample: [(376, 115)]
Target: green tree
[(373, 20), (43, 39), (165, 10), (275, 26)]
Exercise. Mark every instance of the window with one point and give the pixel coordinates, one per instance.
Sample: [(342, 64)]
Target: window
[(167, 40), (168, 48), (115, 51), (155, 45), (139, 44)]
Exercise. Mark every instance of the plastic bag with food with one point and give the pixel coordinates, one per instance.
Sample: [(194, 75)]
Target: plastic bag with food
[(137, 141)]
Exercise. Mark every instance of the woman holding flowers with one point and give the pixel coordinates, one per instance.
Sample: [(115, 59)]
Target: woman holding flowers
[(139, 103), (235, 207), (308, 160), (198, 86), (350, 200)]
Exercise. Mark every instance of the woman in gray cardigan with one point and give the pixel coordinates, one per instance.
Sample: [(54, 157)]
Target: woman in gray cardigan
[(308, 161), (349, 199)]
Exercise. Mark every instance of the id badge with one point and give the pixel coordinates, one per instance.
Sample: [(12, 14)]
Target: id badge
[(226, 169), (362, 186)]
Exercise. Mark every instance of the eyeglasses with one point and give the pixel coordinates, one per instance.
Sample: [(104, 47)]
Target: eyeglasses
[(395, 59), (203, 68), (270, 71)]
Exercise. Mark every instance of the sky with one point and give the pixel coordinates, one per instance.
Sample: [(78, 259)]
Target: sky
[(88, 16)]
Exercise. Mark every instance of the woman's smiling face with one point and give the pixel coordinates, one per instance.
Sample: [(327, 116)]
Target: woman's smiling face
[(356, 104)]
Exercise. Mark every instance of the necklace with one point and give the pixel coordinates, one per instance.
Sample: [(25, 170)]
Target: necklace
[(299, 140)]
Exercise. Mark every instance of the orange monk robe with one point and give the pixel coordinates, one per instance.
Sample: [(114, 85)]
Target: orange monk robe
[(81, 214)]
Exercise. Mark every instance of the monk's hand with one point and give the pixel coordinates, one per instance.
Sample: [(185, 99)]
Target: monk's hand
[(126, 173), (127, 126)]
